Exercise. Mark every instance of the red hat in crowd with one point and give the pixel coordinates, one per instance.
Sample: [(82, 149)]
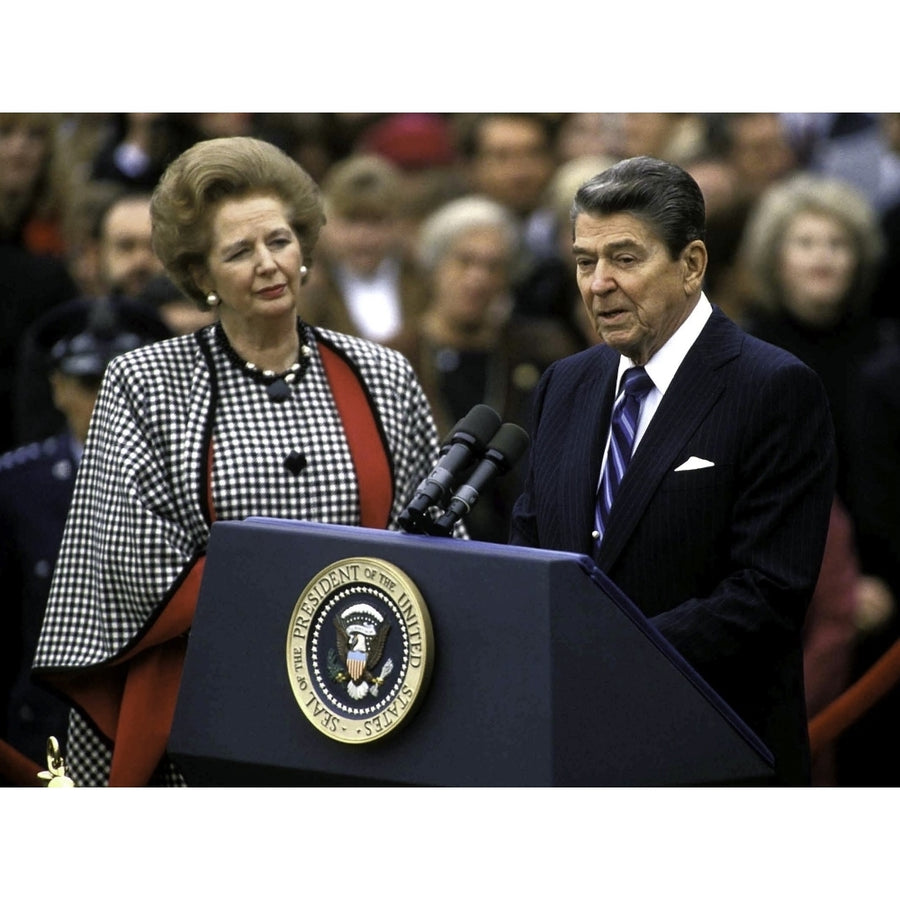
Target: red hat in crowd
[(411, 140)]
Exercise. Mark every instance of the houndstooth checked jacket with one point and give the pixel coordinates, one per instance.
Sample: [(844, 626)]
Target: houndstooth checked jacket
[(140, 514)]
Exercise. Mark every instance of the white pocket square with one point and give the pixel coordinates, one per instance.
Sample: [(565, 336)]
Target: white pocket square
[(694, 463)]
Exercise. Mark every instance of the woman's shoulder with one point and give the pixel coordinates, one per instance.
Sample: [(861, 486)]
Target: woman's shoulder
[(165, 356), (161, 373), (366, 354)]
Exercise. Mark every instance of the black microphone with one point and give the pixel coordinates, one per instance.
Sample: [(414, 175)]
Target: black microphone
[(466, 443), (502, 453)]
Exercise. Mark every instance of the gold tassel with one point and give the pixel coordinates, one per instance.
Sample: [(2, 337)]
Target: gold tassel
[(55, 776)]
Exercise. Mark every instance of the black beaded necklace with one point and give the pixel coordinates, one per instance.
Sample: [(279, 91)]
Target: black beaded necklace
[(277, 383)]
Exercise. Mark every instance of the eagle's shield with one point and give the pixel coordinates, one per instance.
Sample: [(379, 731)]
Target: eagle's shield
[(356, 664)]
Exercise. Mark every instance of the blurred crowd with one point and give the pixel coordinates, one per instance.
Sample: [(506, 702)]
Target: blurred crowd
[(448, 237)]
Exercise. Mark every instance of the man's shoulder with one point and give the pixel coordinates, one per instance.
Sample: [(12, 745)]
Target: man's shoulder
[(597, 355), (576, 368), (770, 357), (35, 453), (753, 351), (32, 464), (572, 379)]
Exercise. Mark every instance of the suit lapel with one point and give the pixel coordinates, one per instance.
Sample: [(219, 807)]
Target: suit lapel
[(587, 425), (690, 397)]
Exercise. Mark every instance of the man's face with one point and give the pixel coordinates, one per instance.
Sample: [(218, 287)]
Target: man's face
[(75, 397), (761, 152), (635, 294), (513, 163), (127, 260), (361, 242)]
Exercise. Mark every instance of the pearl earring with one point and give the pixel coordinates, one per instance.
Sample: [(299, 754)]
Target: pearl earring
[(304, 271), (213, 299)]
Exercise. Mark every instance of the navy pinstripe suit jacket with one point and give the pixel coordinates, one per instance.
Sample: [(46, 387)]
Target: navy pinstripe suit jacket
[(723, 559)]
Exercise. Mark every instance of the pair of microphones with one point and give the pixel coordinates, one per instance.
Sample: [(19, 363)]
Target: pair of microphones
[(478, 449)]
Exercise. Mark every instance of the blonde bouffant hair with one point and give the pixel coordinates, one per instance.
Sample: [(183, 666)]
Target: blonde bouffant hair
[(195, 183), (780, 205)]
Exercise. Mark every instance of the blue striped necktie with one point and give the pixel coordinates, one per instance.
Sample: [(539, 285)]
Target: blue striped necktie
[(636, 384)]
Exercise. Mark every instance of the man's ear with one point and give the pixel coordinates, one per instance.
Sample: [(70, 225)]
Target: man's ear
[(694, 259)]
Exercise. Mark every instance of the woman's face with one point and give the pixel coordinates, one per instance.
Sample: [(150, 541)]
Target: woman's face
[(817, 265), (472, 273), (254, 260), (23, 151)]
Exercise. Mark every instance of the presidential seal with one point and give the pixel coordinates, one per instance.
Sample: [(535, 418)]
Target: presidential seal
[(359, 649)]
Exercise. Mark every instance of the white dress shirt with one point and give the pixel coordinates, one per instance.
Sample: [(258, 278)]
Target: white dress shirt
[(662, 366)]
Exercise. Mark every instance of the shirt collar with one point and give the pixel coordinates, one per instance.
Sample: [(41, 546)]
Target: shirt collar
[(662, 366), (384, 277)]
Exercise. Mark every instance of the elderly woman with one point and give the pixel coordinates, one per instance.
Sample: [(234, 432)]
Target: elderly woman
[(33, 275), (258, 414), (812, 246), (468, 346), (31, 190)]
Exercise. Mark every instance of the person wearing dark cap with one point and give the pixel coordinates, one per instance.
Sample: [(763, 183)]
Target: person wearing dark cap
[(36, 414), (36, 483)]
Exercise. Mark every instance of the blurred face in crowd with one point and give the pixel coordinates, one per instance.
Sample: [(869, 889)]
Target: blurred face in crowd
[(718, 183), (224, 124), (647, 134), (24, 144), (760, 152), (253, 262), (472, 274), (586, 134), (74, 396), (635, 294), (513, 164), (361, 242), (818, 262), (127, 260), (890, 128)]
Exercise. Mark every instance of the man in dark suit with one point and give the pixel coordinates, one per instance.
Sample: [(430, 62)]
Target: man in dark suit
[(717, 528)]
